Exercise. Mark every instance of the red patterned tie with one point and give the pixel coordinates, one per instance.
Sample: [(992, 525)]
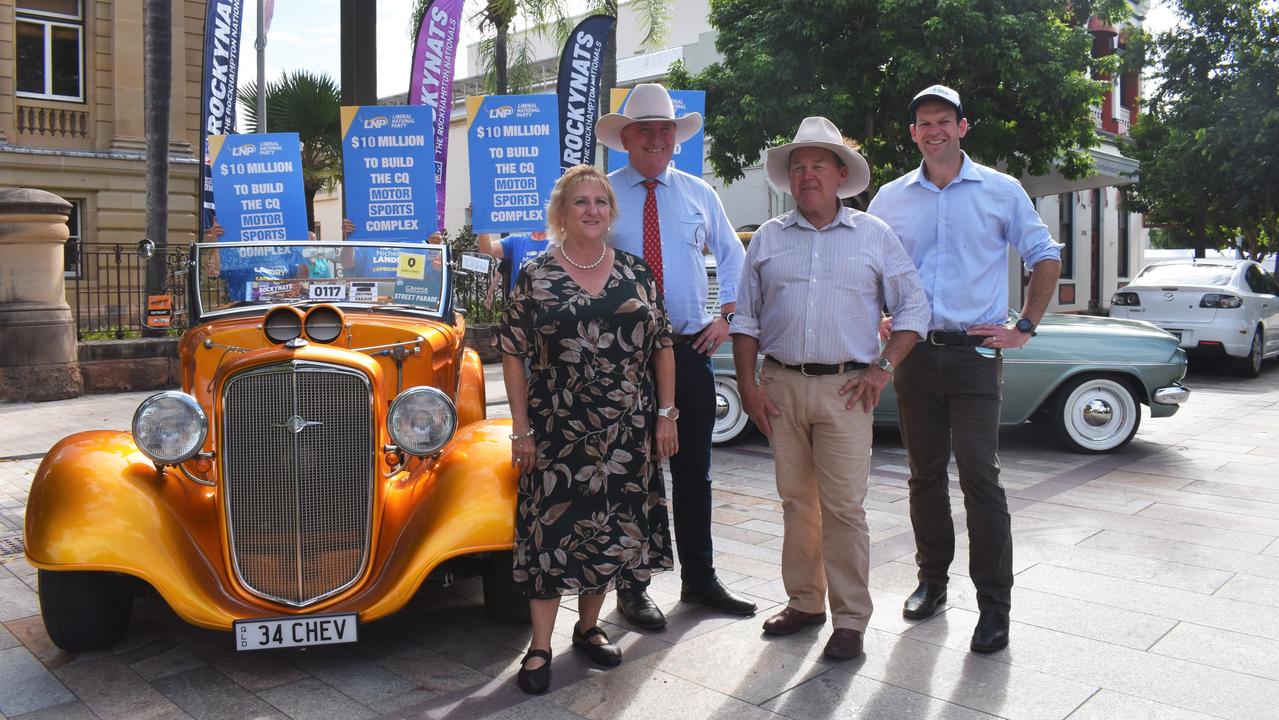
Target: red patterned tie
[(652, 234)]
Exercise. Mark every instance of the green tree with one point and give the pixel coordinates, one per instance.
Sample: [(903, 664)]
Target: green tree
[(309, 105), (1208, 141), (508, 67), (1023, 67)]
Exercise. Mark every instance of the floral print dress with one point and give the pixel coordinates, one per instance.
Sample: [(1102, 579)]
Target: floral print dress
[(592, 511)]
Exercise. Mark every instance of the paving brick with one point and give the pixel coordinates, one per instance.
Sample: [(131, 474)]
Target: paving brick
[(27, 686)]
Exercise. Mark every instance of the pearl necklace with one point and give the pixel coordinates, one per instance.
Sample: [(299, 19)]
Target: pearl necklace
[(598, 260)]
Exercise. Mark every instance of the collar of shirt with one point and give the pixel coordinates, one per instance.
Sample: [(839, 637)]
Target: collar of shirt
[(631, 177), (843, 217), (967, 172)]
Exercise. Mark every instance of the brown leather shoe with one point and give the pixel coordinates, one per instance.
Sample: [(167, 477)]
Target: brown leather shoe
[(844, 644), (790, 621)]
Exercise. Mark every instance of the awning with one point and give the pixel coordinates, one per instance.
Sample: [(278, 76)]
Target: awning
[(1111, 169)]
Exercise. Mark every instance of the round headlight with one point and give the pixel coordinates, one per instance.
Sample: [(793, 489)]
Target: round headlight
[(282, 324), (169, 427), (323, 323), (422, 419)]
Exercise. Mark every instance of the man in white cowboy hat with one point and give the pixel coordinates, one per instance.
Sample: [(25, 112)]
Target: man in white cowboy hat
[(957, 220), (810, 299), (670, 218)]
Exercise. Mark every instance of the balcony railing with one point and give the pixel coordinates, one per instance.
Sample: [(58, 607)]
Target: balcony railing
[(52, 122)]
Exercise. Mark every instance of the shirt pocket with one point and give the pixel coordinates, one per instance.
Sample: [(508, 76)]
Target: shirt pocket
[(692, 230)]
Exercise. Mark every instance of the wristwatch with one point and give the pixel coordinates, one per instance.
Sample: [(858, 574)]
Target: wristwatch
[(670, 413), (1025, 325), (728, 317), (884, 364)]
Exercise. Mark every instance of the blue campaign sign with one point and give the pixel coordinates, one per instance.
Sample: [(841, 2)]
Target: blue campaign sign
[(514, 153), (388, 172), (688, 154), (257, 186)]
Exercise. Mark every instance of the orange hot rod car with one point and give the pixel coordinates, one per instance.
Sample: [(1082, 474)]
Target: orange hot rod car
[(327, 451)]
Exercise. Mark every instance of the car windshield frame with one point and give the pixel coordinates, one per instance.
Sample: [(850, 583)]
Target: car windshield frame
[(1162, 274), (284, 274)]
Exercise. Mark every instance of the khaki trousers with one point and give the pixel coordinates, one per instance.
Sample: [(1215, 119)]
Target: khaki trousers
[(822, 454)]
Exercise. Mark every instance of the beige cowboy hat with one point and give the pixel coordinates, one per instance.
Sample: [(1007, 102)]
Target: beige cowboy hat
[(821, 133), (648, 101)]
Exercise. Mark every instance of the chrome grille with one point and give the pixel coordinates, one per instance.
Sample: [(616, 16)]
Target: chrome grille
[(297, 449)]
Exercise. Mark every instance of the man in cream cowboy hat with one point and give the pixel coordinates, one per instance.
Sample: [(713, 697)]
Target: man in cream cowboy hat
[(669, 218), (810, 297)]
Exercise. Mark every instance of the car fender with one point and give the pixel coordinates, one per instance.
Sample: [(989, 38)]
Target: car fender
[(97, 503), (1017, 413)]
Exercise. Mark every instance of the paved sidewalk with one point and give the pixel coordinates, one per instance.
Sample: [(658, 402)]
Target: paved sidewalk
[(1146, 587)]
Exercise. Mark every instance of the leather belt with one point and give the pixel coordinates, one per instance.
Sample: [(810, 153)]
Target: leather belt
[(814, 369), (684, 339), (948, 337)]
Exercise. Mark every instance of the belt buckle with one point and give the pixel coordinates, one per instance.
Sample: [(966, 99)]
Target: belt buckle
[(932, 339), (803, 370)]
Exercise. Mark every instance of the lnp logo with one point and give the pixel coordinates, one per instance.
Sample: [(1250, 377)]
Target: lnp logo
[(374, 123), (244, 150), (296, 424), (503, 111)]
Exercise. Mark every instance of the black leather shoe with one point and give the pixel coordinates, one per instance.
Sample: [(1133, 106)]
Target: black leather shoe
[(535, 682), (637, 607), (718, 597), (924, 601), (991, 633), (606, 654)]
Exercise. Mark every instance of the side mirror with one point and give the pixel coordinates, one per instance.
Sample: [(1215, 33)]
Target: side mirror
[(146, 249)]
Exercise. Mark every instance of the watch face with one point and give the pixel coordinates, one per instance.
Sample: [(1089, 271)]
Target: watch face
[(669, 413), (1025, 325)]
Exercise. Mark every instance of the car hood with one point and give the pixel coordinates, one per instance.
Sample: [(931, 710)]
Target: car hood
[(1060, 322)]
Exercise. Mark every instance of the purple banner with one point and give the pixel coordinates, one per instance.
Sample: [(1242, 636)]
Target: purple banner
[(581, 74), (217, 95), (431, 80)]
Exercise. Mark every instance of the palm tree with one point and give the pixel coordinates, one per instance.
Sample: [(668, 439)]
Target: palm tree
[(309, 105), (157, 55)]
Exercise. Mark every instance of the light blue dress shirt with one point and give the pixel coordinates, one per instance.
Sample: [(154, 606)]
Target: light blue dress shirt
[(692, 218), (959, 237)]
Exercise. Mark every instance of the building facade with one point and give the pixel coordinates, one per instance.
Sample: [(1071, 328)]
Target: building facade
[(72, 116)]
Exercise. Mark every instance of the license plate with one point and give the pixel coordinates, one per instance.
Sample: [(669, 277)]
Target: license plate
[(295, 632)]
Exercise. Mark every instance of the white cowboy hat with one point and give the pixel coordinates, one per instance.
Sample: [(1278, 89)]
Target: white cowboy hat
[(821, 133), (648, 101)]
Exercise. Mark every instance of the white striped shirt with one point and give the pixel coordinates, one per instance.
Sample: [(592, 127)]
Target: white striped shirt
[(815, 296)]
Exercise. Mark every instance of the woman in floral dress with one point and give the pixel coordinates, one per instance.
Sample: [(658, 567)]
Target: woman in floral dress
[(582, 341)]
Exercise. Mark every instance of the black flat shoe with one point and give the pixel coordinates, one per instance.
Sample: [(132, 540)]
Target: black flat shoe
[(718, 597), (991, 633), (606, 654), (535, 682), (637, 607), (924, 601)]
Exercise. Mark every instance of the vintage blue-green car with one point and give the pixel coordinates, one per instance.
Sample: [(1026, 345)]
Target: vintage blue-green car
[(1086, 376)]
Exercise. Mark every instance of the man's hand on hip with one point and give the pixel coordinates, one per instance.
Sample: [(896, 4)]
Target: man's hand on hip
[(865, 385), (1002, 337), (759, 406), (711, 336)]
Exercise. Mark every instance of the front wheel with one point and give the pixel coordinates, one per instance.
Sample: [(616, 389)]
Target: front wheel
[(501, 601), (1250, 366), (731, 419), (84, 610), (1096, 414)]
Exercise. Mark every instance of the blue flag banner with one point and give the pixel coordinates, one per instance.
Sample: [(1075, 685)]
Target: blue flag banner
[(257, 185), (217, 94), (513, 144), (688, 154), (388, 177), (580, 81), (431, 80)]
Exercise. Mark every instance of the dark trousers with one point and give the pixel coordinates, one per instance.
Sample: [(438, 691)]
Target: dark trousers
[(948, 398), (691, 466)]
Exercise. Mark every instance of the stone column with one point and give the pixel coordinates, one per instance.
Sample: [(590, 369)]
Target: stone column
[(37, 332)]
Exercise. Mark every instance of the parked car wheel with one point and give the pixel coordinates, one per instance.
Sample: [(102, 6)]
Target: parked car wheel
[(1096, 414), (1250, 365), (84, 610), (731, 419), (501, 601)]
